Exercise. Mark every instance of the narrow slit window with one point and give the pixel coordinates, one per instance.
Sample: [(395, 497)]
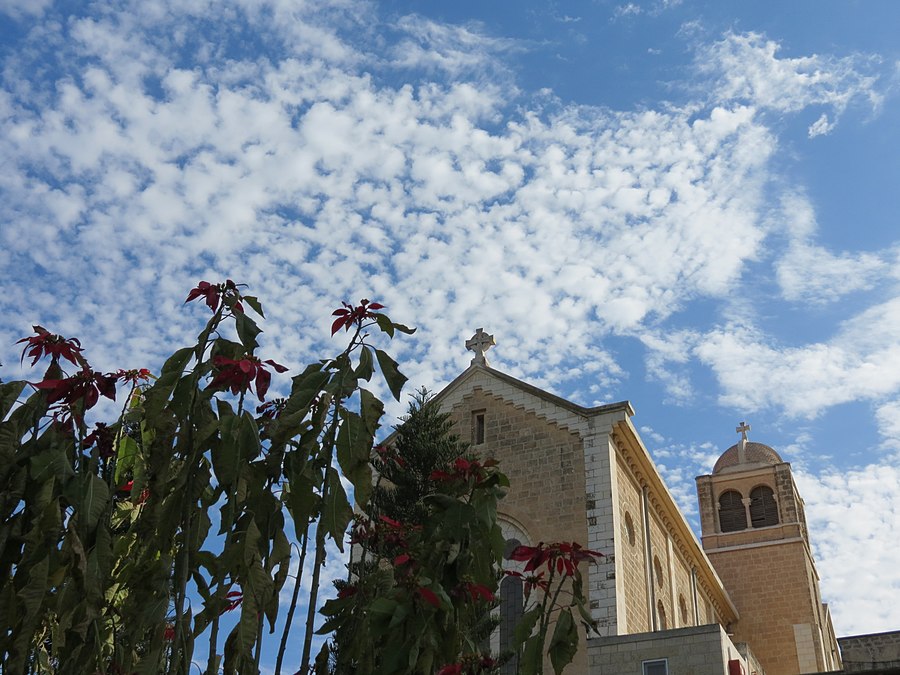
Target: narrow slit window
[(478, 427)]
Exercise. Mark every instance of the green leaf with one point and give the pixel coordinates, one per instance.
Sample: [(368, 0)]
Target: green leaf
[(301, 497), (126, 454), (94, 499), (564, 642), (32, 595), (394, 378), (9, 394), (366, 366), (354, 445), (531, 661), (384, 324), (526, 625), (177, 362), (404, 329), (247, 331), (51, 462), (226, 453), (371, 409), (336, 514), (254, 304)]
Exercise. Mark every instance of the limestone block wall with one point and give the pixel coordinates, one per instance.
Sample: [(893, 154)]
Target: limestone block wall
[(779, 619), (544, 463), (631, 570), (700, 650), (867, 652), (673, 585)]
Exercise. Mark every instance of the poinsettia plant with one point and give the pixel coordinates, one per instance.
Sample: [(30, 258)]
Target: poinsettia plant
[(555, 570), (108, 559)]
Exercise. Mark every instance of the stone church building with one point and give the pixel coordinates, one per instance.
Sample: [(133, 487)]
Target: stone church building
[(744, 599)]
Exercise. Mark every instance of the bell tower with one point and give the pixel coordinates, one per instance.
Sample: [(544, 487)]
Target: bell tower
[(754, 533)]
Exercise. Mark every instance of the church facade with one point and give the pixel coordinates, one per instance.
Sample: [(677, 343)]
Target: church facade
[(663, 601)]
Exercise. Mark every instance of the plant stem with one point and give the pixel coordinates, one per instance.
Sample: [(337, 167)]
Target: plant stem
[(293, 608)]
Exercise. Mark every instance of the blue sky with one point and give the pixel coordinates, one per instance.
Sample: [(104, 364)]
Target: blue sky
[(690, 205)]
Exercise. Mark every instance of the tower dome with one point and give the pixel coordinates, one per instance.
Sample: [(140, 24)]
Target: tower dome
[(746, 454)]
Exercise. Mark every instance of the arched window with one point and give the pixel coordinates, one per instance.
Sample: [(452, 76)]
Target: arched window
[(683, 609), (629, 529), (661, 611), (763, 507), (511, 594), (512, 607), (732, 516), (658, 571)]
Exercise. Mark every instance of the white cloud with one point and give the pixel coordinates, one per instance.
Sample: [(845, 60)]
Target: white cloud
[(854, 521), (19, 9), (807, 271), (746, 67), (452, 49), (862, 361), (821, 127)]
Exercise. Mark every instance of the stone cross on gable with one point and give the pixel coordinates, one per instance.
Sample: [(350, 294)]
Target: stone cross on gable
[(480, 343)]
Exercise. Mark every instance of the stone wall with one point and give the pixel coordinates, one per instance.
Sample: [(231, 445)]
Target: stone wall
[(699, 650), (867, 652)]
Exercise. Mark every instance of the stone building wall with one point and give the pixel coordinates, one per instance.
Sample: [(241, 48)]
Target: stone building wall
[(778, 619), (631, 561), (701, 650), (867, 652), (545, 465)]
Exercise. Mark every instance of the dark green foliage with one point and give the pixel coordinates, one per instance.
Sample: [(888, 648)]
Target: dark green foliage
[(427, 554)]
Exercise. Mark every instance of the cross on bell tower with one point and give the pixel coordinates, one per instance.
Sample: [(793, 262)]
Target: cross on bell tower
[(480, 343), (742, 429)]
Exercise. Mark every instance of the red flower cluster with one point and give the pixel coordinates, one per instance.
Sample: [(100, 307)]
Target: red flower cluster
[(45, 343), (134, 375), (129, 486), (234, 598), (88, 385), (531, 581), (102, 437), (214, 293), (478, 592), (564, 556), (240, 374), (474, 664), (348, 315), (429, 596), (272, 409), (465, 469), (387, 455)]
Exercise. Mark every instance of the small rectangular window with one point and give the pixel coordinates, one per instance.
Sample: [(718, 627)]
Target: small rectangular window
[(478, 427), (656, 667)]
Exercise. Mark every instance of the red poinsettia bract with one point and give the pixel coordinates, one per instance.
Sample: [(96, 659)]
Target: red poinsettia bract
[(87, 386), (45, 343), (134, 375), (234, 599), (348, 315), (214, 293), (465, 469), (564, 556), (478, 592), (242, 374), (470, 665), (429, 596)]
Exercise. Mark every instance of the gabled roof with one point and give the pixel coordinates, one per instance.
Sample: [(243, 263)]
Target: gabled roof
[(582, 411)]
